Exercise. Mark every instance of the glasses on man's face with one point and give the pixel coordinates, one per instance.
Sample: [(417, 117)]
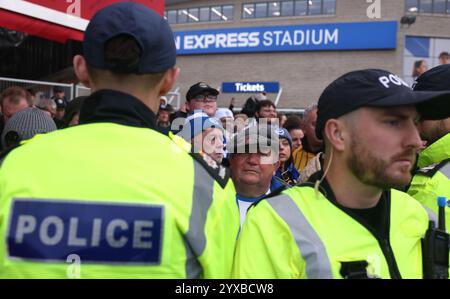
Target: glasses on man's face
[(205, 98)]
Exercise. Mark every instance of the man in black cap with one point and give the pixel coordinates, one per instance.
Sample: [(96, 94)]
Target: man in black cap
[(432, 175), (60, 110), (116, 210), (58, 92), (349, 222), (163, 116), (59, 96), (201, 96)]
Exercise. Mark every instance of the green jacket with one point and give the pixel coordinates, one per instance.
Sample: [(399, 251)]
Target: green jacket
[(432, 178)]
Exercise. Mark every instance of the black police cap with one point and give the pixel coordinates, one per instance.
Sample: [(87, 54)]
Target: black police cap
[(435, 79), (377, 88)]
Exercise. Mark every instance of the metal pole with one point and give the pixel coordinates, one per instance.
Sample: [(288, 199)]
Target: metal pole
[(278, 96)]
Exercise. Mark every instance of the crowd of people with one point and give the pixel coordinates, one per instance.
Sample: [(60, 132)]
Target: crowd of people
[(347, 190)]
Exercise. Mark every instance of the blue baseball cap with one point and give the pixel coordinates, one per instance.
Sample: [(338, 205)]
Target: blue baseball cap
[(197, 123), (148, 28)]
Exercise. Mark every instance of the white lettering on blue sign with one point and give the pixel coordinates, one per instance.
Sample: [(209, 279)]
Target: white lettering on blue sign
[(299, 37), (241, 87), (97, 232), (338, 36), (250, 87), (219, 40)]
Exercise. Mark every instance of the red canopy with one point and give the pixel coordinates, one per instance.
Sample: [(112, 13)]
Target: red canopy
[(57, 20)]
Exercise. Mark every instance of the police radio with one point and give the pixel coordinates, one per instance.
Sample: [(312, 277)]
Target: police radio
[(435, 247)]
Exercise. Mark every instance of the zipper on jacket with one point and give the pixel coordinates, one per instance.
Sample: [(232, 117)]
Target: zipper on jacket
[(390, 259), (384, 243)]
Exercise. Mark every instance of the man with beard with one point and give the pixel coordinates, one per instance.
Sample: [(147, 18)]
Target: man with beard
[(432, 176), (348, 222)]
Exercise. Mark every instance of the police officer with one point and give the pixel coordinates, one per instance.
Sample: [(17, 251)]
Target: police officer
[(120, 209), (348, 222), (432, 176)]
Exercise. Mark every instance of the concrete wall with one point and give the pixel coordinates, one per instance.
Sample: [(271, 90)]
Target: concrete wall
[(302, 75)]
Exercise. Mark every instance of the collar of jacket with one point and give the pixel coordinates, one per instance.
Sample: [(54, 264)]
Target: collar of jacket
[(117, 107), (291, 169), (328, 192), (435, 153)]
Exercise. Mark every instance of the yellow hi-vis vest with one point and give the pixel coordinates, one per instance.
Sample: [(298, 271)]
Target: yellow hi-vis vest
[(111, 201), (433, 176), (301, 234)]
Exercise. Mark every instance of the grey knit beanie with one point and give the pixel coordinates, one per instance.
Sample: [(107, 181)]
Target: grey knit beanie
[(27, 123)]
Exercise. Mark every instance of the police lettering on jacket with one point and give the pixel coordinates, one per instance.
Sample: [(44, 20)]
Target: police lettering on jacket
[(100, 232)]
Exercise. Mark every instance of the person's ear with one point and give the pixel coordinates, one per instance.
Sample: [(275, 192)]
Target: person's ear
[(335, 133), (80, 68), (169, 80)]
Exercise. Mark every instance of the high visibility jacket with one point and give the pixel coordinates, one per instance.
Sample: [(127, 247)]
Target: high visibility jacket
[(432, 179), (120, 201), (302, 234)]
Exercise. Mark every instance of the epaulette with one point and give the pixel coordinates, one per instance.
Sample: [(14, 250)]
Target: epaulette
[(431, 170), (219, 172), (310, 183), (280, 190), (180, 142)]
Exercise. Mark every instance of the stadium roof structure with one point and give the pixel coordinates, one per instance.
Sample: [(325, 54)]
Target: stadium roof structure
[(57, 20)]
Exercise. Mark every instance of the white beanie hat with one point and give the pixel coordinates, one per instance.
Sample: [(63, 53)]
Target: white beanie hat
[(224, 112)]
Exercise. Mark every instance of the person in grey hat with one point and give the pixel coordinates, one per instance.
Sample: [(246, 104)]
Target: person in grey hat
[(253, 157), (25, 124)]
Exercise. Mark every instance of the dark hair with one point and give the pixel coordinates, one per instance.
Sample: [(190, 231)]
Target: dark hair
[(417, 64), (265, 103), (293, 122), (444, 55), (58, 89), (250, 107), (31, 91)]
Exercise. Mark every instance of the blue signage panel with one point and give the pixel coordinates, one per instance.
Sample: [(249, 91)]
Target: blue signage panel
[(317, 37), (102, 232), (250, 87)]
